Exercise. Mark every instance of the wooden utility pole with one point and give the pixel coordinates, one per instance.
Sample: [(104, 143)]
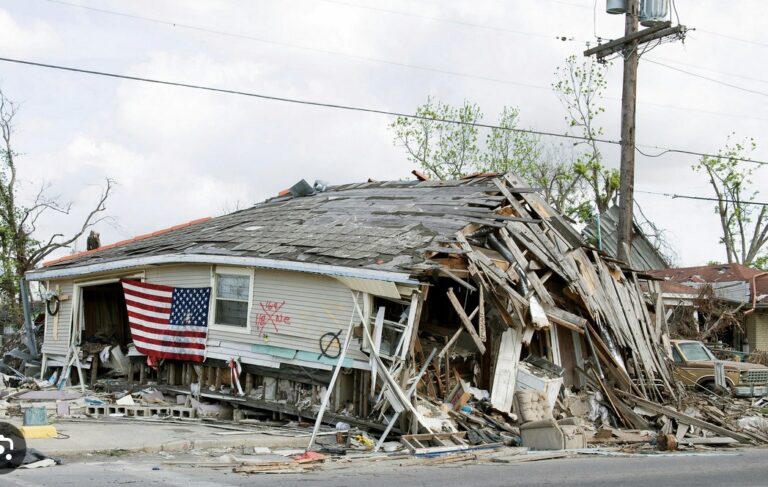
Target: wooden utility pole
[(628, 106), (629, 45)]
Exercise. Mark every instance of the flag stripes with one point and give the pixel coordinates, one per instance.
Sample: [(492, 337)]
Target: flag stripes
[(168, 322)]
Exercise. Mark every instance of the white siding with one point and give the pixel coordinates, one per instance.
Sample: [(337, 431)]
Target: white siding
[(179, 275), (314, 305), (58, 343)]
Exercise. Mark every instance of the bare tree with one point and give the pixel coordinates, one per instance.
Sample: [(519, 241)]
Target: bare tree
[(744, 224), (20, 249)]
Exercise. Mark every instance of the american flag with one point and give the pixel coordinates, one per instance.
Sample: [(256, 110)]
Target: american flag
[(168, 322)]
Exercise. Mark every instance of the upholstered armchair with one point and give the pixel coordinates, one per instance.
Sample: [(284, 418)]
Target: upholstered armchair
[(540, 431)]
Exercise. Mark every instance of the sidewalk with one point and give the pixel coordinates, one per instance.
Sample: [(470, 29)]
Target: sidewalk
[(79, 438)]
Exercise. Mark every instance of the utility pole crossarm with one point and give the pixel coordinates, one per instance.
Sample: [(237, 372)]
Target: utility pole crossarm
[(644, 36)]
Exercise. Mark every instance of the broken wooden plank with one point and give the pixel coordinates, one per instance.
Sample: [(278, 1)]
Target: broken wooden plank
[(448, 442), (457, 279), (565, 318), (465, 320), (505, 370), (450, 342), (684, 418), (378, 328), (481, 319), (713, 440)]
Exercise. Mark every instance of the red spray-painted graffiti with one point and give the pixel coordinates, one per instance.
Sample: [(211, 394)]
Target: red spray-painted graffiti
[(271, 314)]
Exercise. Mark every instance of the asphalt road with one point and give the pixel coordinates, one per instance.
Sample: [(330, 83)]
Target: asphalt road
[(741, 468)]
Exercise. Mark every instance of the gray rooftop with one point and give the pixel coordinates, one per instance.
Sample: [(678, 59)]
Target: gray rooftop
[(377, 225)]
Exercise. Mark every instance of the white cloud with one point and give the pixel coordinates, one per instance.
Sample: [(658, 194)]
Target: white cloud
[(30, 37), (180, 154)]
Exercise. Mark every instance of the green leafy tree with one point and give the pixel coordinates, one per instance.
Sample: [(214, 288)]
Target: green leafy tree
[(744, 225), (445, 150), (20, 249), (581, 87)]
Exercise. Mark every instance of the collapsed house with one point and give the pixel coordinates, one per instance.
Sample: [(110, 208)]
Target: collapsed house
[(384, 302)]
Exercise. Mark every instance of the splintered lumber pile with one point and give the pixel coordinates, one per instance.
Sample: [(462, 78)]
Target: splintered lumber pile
[(512, 283), (551, 271)]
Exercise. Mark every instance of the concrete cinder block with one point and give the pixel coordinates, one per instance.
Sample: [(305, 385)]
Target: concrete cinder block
[(142, 412), (183, 413), (96, 410), (116, 409), (159, 411)]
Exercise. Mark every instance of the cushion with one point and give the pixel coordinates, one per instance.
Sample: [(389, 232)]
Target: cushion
[(533, 406)]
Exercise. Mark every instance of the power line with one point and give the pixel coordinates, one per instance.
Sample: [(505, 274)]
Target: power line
[(297, 46), (702, 198), (297, 101), (720, 82), (365, 58), (348, 107), (693, 153), (704, 68), (733, 38), (457, 22)]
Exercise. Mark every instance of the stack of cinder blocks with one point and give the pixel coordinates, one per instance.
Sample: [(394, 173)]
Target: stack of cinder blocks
[(142, 411)]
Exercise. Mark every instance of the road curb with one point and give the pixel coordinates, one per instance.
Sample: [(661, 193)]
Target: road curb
[(184, 445)]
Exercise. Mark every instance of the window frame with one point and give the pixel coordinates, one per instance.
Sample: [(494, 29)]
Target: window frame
[(217, 271)]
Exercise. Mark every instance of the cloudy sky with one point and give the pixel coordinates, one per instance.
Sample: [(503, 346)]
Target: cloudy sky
[(180, 154)]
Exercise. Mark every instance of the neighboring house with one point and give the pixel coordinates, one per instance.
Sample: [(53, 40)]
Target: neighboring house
[(738, 286), (645, 256)]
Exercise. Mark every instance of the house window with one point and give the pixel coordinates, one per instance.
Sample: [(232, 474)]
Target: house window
[(232, 297)]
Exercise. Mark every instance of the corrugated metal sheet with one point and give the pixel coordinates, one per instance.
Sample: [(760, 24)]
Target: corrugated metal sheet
[(644, 255), (733, 291)]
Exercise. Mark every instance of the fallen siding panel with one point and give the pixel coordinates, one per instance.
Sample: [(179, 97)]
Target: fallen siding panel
[(56, 338)]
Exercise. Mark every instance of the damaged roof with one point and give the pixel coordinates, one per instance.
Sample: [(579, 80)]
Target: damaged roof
[(707, 273), (376, 225), (644, 255), (731, 281)]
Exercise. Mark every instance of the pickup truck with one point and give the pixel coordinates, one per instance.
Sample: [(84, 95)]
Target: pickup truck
[(696, 368)]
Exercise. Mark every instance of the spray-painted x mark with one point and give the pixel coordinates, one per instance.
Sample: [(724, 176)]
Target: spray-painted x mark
[(271, 309)]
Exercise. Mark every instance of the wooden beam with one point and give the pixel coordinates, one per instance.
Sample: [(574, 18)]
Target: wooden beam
[(450, 342), (465, 320), (565, 319), (481, 319), (457, 279)]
